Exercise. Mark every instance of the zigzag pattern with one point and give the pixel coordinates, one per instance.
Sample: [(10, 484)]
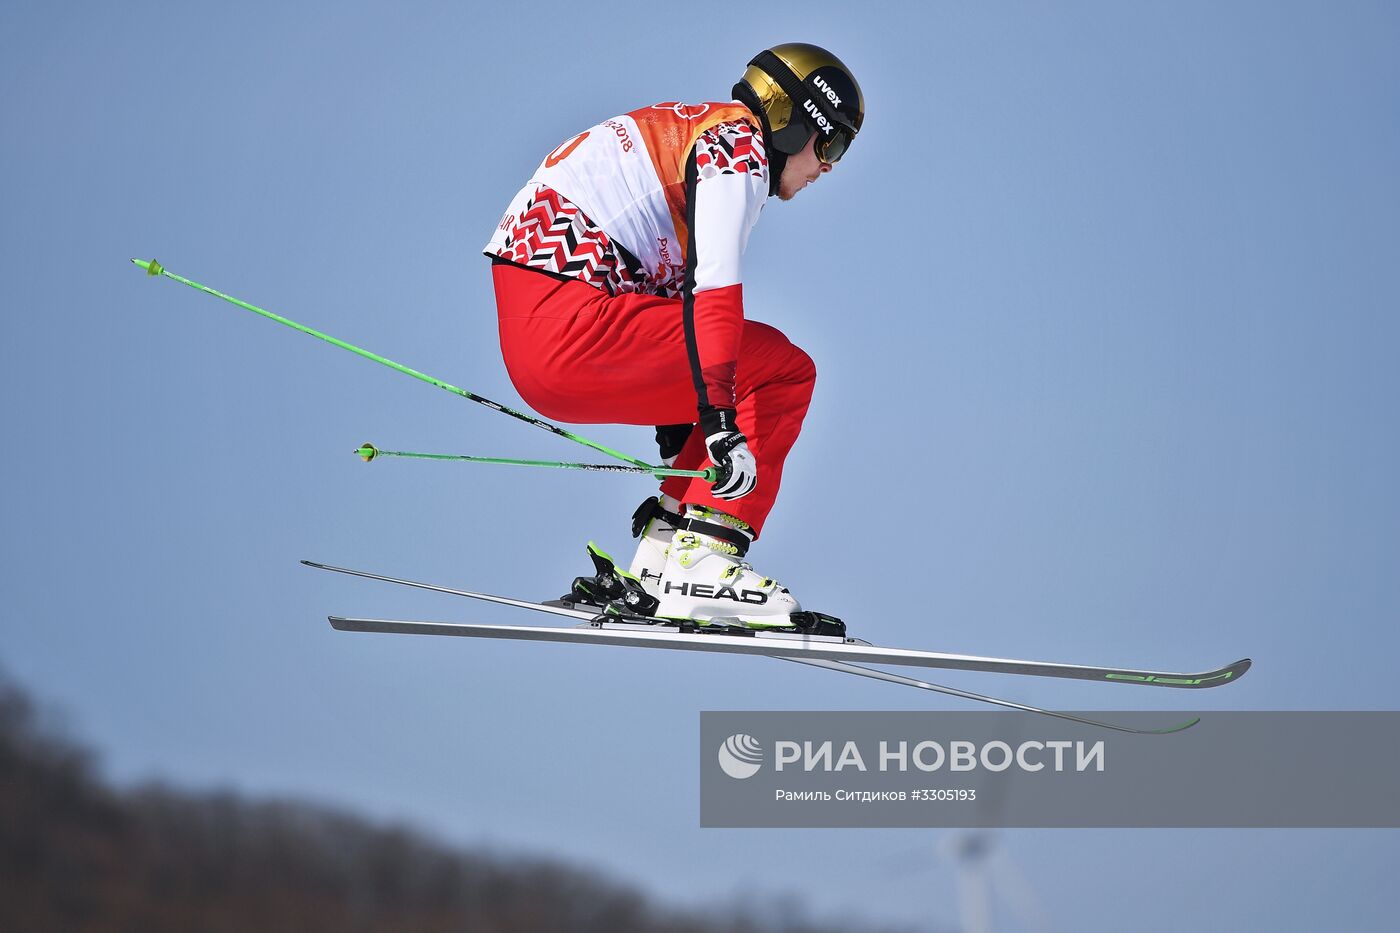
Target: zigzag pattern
[(554, 235), (730, 149)]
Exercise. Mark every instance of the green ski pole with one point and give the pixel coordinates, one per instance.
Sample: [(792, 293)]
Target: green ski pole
[(369, 452), (155, 268)]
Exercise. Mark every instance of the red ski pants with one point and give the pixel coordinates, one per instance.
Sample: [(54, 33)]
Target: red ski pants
[(579, 355)]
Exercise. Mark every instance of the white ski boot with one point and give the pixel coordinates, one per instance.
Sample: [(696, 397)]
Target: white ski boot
[(706, 579), (690, 561), (655, 522)]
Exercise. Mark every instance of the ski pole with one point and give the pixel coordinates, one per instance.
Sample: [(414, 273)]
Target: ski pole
[(369, 452), (155, 268)]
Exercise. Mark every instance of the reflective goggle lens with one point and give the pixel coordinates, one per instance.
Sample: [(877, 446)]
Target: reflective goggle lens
[(831, 148)]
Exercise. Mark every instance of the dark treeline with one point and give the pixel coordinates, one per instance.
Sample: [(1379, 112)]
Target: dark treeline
[(79, 856)]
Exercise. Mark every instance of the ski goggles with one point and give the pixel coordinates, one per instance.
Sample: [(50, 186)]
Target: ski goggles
[(831, 148)]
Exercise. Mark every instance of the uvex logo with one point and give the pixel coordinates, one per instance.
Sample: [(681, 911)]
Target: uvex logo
[(826, 89), (705, 591), (818, 117)]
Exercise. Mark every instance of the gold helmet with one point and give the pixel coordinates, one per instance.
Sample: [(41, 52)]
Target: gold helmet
[(801, 89)]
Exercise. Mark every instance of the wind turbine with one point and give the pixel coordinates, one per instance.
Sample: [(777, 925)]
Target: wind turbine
[(986, 877)]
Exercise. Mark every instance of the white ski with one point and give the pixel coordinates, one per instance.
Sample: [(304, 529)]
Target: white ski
[(836, 654), (644, 635)]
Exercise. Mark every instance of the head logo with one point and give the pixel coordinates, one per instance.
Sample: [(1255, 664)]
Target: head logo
[(741, 756)]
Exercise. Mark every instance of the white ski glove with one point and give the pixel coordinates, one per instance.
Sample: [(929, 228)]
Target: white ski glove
[(738, 471)]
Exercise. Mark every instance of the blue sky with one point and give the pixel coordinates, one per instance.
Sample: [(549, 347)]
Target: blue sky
[(1105, 319)]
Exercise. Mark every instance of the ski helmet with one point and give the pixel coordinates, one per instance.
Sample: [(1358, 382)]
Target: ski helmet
[(800, 89)]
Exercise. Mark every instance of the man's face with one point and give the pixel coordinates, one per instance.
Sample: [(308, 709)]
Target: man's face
[(801, 170)]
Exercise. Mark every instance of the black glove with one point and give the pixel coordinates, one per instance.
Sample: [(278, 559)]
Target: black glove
[(671, 438)]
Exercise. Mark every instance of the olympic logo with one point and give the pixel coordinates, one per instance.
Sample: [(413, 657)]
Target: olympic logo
[(684, 111)]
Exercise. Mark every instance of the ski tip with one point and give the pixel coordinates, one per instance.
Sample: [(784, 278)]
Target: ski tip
[(152, 267), (1181, 728), (1227, 674), (312, 563)]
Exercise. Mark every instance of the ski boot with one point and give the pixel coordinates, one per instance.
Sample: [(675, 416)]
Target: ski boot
[(610, 590), (706, 580), (655, 523)]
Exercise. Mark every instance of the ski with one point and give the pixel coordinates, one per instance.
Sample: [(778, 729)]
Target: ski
[(844, 668), (597, 628), (782, 647), (485, 597)]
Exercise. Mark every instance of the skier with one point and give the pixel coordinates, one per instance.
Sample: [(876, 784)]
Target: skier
[(619, 297)]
